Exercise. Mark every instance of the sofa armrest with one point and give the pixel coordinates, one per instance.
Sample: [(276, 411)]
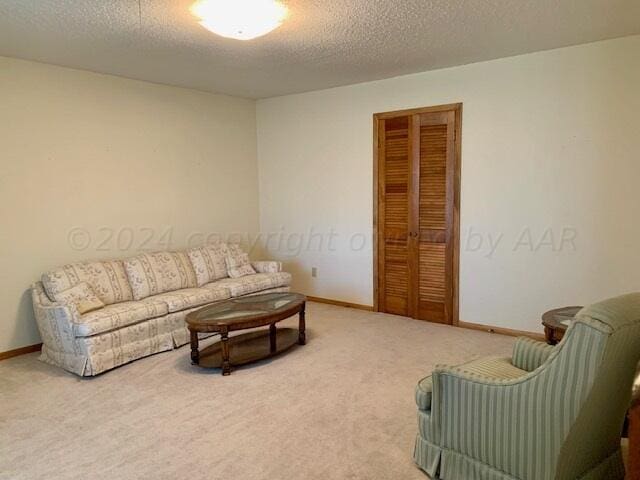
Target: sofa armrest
[(529, 354), (55, 321), (267, 266)]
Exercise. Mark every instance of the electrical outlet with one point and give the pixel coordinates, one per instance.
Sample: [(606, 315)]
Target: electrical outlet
[(314, 272)]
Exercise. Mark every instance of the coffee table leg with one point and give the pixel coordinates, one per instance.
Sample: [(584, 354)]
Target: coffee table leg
[(195, 354), (302, 338), (272, 338), (226, 366), (549, 335)]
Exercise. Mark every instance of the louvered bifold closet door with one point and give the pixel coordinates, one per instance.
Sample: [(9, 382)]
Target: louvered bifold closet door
[(417, 203), (394, 212), (433, 188)]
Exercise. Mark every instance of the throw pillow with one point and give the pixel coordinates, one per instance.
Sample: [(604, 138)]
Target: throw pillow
[(82, 296), (239, 265)]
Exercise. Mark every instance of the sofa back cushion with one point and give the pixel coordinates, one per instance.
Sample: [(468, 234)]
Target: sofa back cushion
[(234, 249), (159, 272), (209, 262), (107, 279)]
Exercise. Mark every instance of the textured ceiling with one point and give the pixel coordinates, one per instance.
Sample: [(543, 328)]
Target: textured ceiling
[(324, 43)]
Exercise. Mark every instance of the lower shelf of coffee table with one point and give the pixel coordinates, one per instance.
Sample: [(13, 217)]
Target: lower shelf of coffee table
[(248, 347)]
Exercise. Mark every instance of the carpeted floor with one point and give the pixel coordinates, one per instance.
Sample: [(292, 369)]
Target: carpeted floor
[(341, 407)]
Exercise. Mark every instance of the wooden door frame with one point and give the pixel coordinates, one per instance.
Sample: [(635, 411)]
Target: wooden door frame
[(377, 228)]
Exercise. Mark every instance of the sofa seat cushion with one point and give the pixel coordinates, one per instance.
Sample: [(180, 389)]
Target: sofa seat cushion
[(191, 297), (155, 273), (252, 283), (118, 315), (107, 279), (492, 368)]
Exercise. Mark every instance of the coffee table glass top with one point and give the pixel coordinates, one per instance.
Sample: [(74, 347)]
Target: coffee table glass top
[(240, 309)]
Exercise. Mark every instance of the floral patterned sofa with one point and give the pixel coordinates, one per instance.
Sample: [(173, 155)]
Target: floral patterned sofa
[(136, 307)]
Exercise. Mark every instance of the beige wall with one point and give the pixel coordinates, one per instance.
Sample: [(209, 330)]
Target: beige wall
[(550, 151), (550, 148), (125, 161)]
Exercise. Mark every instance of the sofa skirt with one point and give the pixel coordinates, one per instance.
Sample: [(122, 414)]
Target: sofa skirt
[(113, 351), (427, 456), (443, 464)]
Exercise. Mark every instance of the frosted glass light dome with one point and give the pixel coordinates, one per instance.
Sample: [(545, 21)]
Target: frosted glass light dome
[(240, 19)]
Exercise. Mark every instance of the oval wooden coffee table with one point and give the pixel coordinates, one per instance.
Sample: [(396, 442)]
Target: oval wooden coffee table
[(241, 314)]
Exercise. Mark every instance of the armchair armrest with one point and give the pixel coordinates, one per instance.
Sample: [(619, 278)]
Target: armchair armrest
[(424, 393), (267, 266), (529, 354), (472, 404), (489, 370)]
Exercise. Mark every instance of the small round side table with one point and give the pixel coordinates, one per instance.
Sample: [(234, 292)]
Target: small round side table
[(557, 321)]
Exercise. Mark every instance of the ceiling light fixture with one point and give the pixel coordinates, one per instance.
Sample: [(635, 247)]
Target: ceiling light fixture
[(240, 19)]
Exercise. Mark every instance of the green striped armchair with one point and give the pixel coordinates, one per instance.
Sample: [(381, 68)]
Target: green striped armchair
[(546, 413)]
